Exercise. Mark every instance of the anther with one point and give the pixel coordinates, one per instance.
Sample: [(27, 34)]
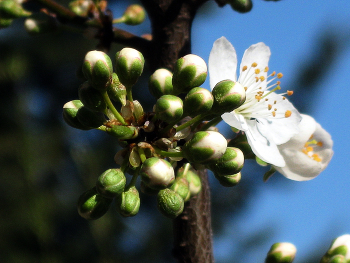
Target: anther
[(266, 69), (290, 92), (279, 75), (254, 64), (274, 114), (244, 68), (245, 88), (287, 114), (269, 107), (257, 71), (262, 78)]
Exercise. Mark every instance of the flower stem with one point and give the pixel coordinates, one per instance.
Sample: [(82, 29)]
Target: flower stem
[(112, 108), (213, 122), (118, 20), (190, 122), (129, 93)]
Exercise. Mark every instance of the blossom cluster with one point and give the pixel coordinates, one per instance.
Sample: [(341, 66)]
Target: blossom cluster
[(293, 143)]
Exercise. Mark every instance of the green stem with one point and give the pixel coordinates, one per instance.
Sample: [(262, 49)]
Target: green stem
[(133, 179), (213, 122), (118, 20), (112, 108), (129, 93), (190, 122), (142, 154), (168, 154)]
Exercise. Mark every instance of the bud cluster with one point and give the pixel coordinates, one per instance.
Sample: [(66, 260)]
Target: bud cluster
[(164, 147)]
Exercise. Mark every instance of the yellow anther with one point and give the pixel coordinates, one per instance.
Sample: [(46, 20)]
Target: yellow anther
[(262, 78), (275, 109), (319, 144), (283, 98), (266, 99), (256, 79), (269, 107), (279, 75), (244, 68), (316, 157), (273, 73), (258, 97), (245, 88), (309, 149), (274, 114), (290, 92), (266, 69), (254, 64), (275, 102), (278, 82), (257, 71), (287, 114)]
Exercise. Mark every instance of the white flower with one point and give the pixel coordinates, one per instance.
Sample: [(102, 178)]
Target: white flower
[(308, 153), (267, 118)]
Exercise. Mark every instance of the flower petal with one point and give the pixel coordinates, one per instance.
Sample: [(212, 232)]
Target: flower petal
[(235, 120), (222, 62), (262, 143), (258, 53)]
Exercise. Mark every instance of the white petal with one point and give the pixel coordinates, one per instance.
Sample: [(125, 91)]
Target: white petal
[(262, 144), (307, 127), (258, 53), (235, 120), (222, 62)]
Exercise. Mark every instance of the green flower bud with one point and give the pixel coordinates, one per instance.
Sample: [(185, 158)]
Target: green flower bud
[(129, 66), (81, 7), (228, 95), (70, 110), (89, 118), (92, 205), (198, 101), (229, 180), (97, 68), (5, 22), (139, 113), (181, 186), (339, 246), (241, 6), (170, 203), (147, 190), (157, 173), (169, 108), (111, 183), (230, 163), (160, 83), (116, 90), (204, 147), (194, 181), (190, 71), (10, 9), (40, 23), (91, 98), (240, 142), (281, 253), (123, 132), (134, 15), (128, 203), (337, 259)]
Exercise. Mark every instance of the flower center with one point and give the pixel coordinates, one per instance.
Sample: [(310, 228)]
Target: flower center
[(259, 102), (310, 147)]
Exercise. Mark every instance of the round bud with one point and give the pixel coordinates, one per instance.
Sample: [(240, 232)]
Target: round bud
[(204, 147), (157, 173), (169, 108), (198, 101), (170, 203), (241, 6), (123, 132), (228, 95), (70, 110), (190, 71), (134, 15), (98, 69), (160, 83), (81, 7), (181, 186), (111, 183), (194, 182), (281, 253), (89, 118), (116, 90), (91, 98), (40, 23), (128, 203), (230, 163), (129, 66), (92, 205), (10, 9), (229, 180), (339, 246), (241, 142), (336, 259)]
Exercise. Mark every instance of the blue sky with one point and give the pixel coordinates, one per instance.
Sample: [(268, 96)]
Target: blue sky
[(303, 212)]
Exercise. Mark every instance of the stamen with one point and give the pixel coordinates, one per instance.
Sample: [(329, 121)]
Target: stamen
[(290, 92), (244, 68), (269, 107), (274, 114), (254, 64), (262, 78), (279, 75), (245, 88), (287, 114), (319, 144), (266, 69), (257, 71), (316, 157), (309, 148)]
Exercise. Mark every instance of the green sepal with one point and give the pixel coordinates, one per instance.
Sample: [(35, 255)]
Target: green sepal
[(111, 183), (116, 90), (92, 205), (5, 22), (230, 163), (241, 142), (181, 186), (170, 203), (228, 180), (70, 110), (10, 9), (91, 97), (40, 23), (128, 203), (160, 83), (134, 15), (169, 108), (123, 132), (242, 6), (198, 101), (89, 118)]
